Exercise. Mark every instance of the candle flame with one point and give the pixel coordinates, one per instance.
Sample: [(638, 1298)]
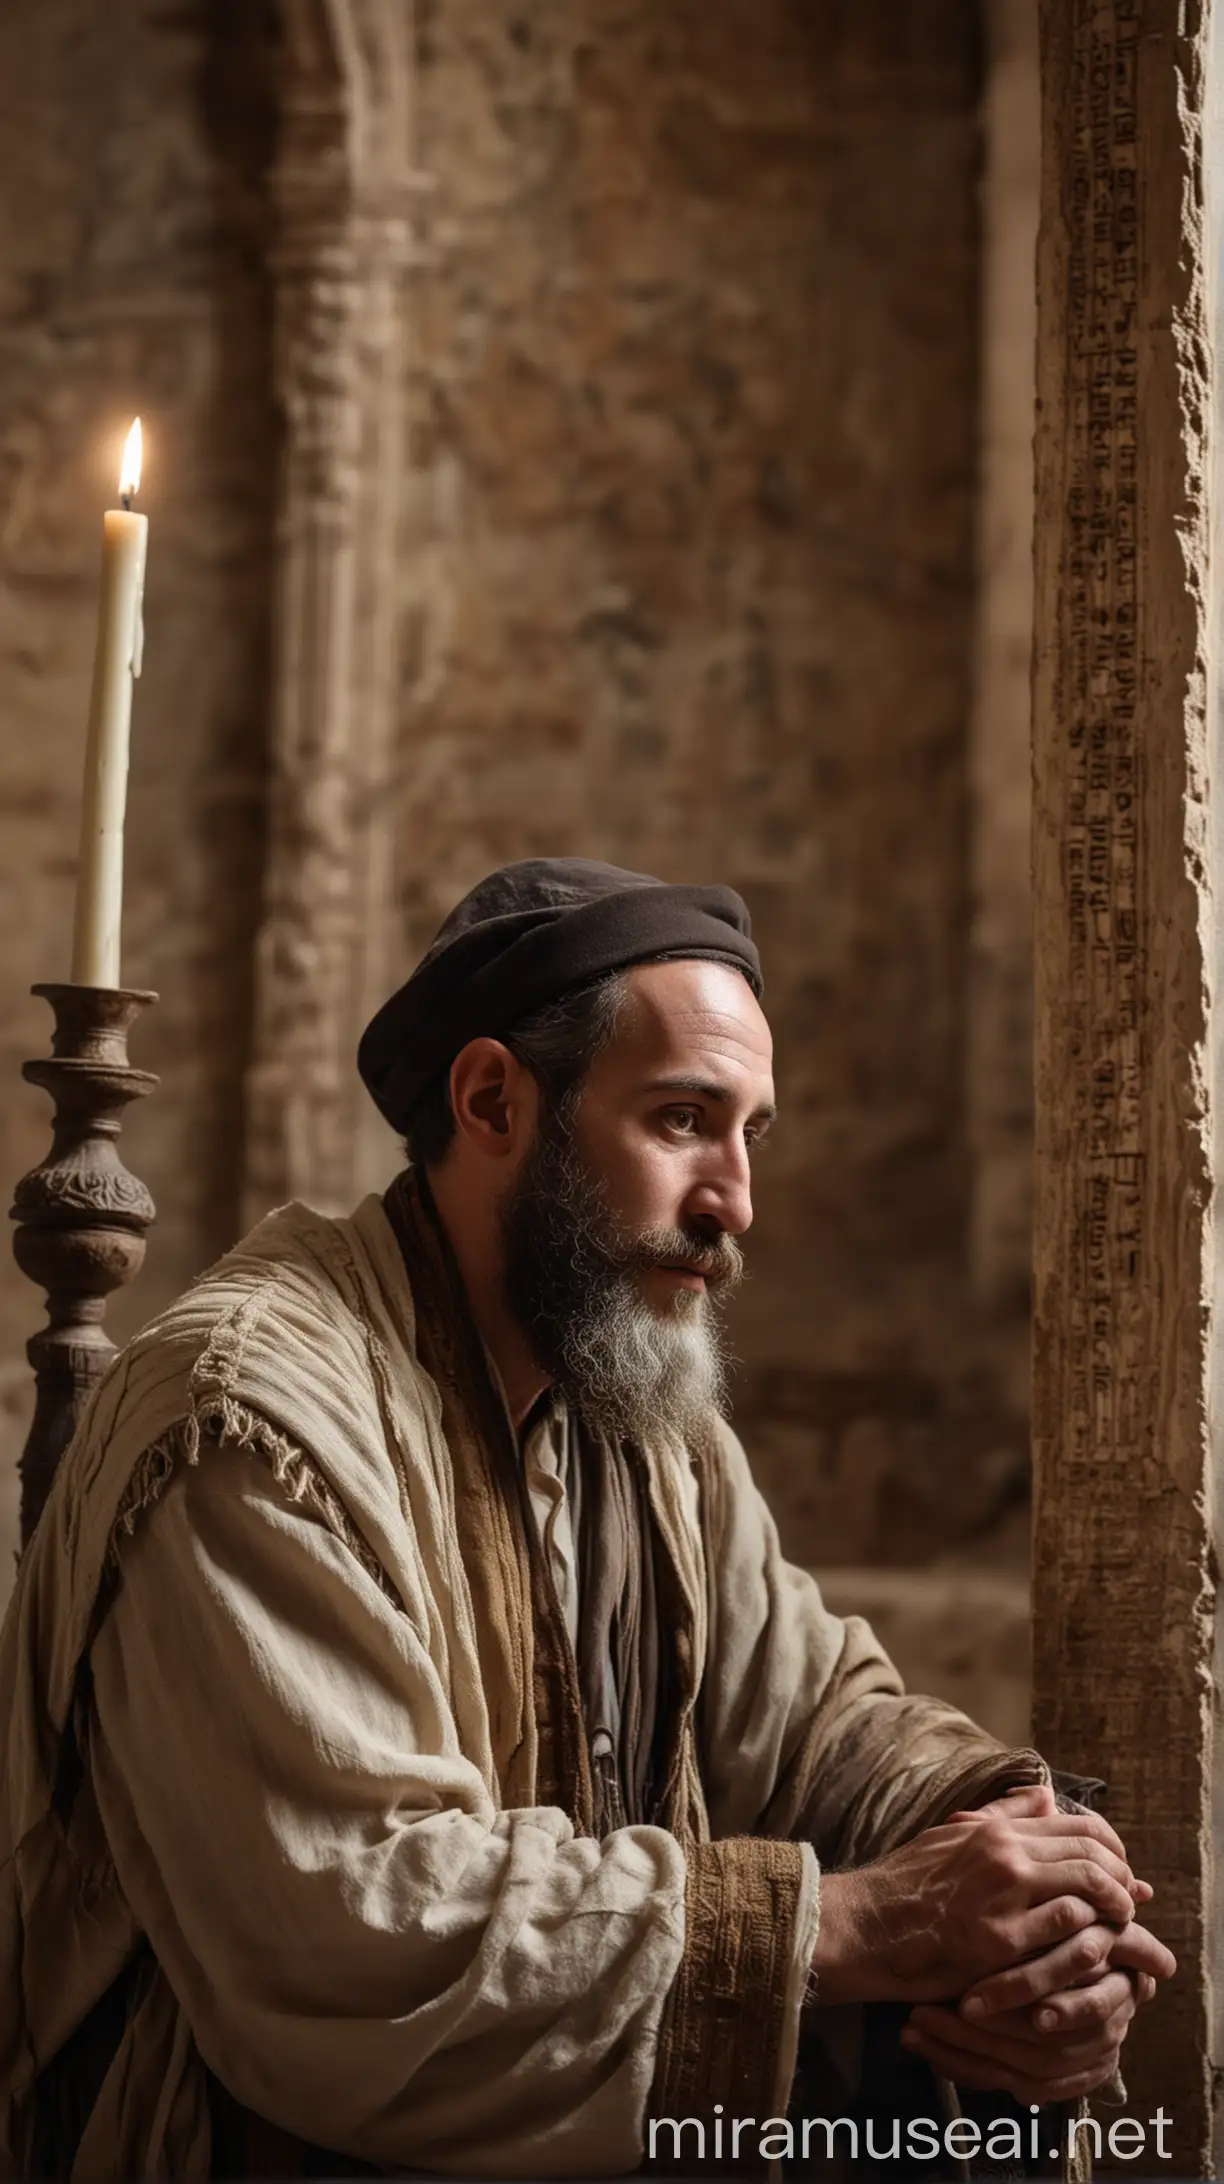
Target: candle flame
[(129, 469)]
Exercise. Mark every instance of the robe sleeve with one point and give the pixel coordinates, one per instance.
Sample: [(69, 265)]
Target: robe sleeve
[(807, 1730), (369, 1953)]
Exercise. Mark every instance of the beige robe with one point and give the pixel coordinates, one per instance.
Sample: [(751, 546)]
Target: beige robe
[(278, 1723)]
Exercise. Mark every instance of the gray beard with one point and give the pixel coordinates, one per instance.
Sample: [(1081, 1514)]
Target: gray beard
[(573, 1282)]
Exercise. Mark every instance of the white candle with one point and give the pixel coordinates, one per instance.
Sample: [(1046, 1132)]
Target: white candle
[(99, 902)]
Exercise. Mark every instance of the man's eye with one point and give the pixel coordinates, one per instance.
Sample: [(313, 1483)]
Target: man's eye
[(686, 1120)]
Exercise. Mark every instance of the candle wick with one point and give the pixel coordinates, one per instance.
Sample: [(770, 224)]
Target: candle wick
[(126, 498)]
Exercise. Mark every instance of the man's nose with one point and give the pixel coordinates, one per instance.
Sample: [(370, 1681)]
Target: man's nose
[(724, 1195)]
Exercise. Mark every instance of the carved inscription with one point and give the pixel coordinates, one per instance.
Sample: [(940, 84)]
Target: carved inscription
[(1102, 842)]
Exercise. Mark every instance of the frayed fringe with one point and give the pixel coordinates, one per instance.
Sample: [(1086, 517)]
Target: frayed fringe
[(154, 1470), (221, 1419)]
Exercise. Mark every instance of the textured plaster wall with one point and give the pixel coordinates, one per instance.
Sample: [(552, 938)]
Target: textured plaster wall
[(131, 278), (692, 587)]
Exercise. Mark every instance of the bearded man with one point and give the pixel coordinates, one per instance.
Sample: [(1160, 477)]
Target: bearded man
[(421, 1756)]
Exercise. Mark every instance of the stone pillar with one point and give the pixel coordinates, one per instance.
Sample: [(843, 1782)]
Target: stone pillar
[(341, 187), (1125, 1589)]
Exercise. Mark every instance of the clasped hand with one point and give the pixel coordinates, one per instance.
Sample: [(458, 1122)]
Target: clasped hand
[(1013, 1931)]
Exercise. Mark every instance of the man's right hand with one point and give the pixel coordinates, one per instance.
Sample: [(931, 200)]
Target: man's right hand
[(965, 1900)]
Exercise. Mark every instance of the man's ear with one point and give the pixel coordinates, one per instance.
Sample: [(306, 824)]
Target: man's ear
[(494, 1099)]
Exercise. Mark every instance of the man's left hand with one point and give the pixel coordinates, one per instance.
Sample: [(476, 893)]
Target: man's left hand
[(1008, 2054)]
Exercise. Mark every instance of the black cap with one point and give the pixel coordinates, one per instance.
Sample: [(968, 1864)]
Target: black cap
[(527, 934)]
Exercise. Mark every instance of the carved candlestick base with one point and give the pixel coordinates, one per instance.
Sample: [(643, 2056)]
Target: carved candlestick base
[(82, 1216)]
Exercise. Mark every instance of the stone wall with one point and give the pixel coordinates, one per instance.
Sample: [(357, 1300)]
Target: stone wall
[(688, 582), (692, 587)]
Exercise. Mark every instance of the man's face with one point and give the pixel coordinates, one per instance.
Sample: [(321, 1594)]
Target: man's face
[(670, 1110), (619, 1232)]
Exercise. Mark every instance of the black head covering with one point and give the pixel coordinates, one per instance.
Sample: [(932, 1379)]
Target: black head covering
[(524, 936)]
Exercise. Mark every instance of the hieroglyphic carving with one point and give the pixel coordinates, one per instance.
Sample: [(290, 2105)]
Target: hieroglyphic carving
[(1103, 789), (342, 191), (1124, 1353)]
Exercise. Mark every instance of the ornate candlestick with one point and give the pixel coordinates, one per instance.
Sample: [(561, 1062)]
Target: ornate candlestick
[(82, 1216)]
